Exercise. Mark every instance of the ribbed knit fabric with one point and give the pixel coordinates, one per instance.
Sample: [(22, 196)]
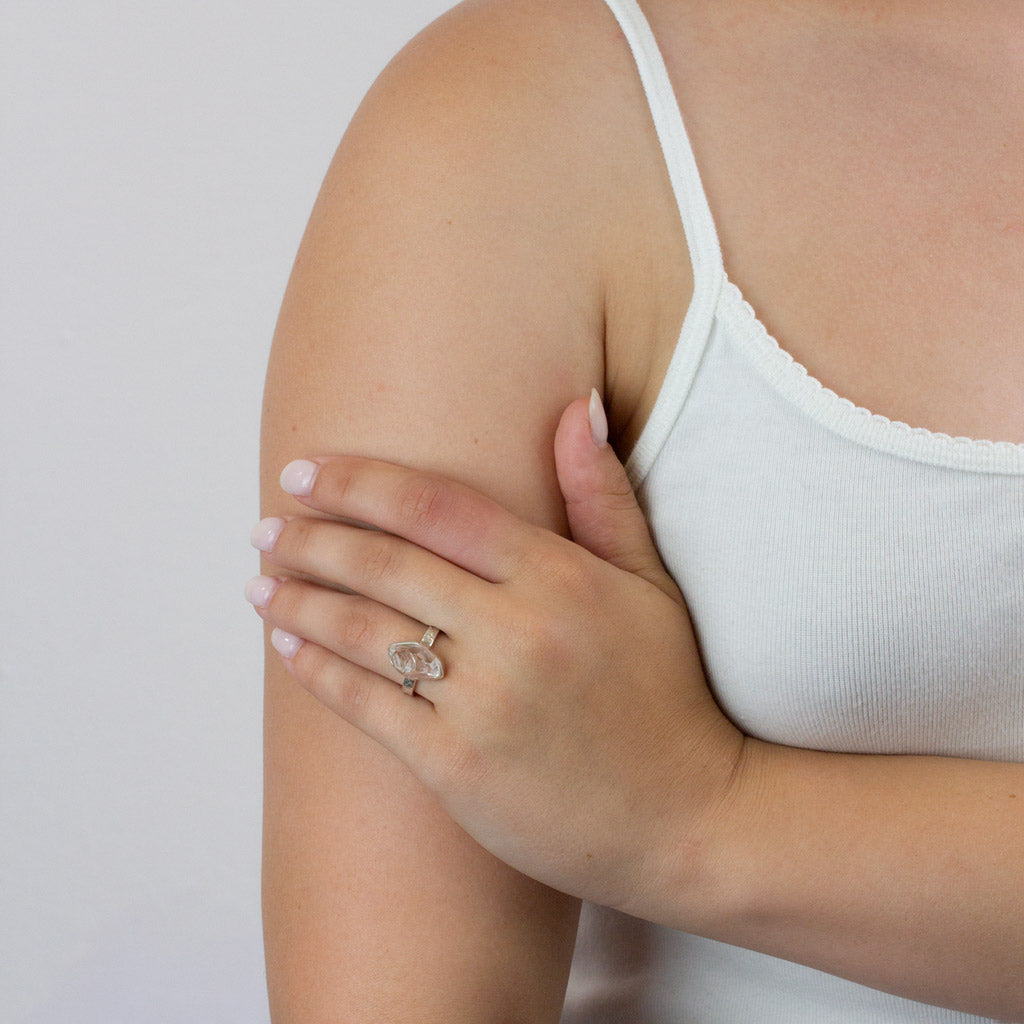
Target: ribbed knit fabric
[(856, 585)]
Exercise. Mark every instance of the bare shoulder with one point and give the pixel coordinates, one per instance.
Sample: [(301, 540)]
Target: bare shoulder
[(451, 233), (512, 139)]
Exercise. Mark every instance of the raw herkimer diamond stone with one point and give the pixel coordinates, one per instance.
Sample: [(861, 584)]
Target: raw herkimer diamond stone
[(415, 660)]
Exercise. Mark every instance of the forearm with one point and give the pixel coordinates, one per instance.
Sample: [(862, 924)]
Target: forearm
[(902, 873)]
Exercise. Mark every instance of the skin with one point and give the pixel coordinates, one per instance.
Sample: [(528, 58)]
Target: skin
[(507, 317), (564, 790)]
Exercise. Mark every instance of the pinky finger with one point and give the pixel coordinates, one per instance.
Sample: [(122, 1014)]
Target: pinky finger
[(371, 703)]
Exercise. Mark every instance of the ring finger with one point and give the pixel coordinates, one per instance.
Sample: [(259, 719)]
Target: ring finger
[(355, 628)]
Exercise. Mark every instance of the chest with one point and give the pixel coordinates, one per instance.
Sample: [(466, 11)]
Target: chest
[(845, 597), (869, 198)]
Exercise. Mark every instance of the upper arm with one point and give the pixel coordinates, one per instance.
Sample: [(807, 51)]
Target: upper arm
[(444, 308)]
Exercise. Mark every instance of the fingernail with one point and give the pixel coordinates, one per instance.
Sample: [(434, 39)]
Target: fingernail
[(298, 476), (265, 533), (598, 420), (260, 589), (286, 644)]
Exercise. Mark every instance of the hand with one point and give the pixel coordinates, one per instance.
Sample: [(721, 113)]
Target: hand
[(573, 734)]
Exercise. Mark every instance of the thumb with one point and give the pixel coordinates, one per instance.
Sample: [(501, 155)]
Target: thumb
[(603, 513)]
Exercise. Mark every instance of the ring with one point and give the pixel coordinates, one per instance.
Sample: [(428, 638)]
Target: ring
[(416, 661)]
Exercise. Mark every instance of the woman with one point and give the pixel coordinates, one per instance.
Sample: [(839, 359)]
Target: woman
[(818, 817)]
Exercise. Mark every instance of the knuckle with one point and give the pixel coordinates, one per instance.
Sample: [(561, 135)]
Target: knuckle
[(555, 562), (571, 565), (423, 500), (533, 554), (380, 559), (320, 672), (354, 630), (353, 697)]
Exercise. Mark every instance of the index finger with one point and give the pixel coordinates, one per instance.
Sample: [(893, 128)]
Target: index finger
[(447, 517)]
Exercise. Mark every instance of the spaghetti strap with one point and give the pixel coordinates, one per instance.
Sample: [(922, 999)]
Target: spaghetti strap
[(698, 225), (694, 211)]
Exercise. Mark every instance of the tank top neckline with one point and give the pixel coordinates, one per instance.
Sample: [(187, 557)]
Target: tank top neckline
[(717, 299), (792, 380)]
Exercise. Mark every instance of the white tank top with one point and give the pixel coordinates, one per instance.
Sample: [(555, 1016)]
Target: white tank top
[(856, 584)]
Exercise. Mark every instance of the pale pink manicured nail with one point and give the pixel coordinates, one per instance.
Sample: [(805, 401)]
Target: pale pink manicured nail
[(598, 420), (260, 589), (265, 533), (286, 644), (298, 476)]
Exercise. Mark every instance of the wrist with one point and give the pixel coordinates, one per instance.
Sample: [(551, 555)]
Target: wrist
[(699, 863)]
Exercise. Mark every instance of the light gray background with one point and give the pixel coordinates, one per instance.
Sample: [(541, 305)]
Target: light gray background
[(159, 161)]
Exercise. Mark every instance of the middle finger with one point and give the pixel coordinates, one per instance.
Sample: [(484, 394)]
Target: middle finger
[(378, 565)]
